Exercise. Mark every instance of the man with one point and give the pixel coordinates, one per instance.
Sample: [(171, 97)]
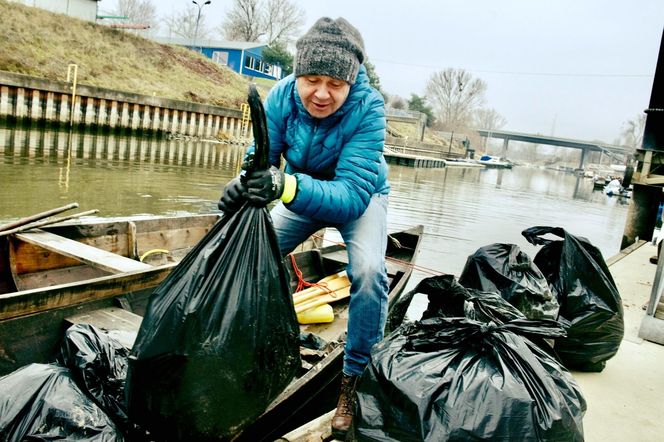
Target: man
[(329, 125)]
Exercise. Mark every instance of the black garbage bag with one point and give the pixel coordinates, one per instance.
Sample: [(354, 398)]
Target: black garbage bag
[(454, 379), (506, 269), (42, 402), (590, 304), (220, 339), (449, 299), (98, 362)]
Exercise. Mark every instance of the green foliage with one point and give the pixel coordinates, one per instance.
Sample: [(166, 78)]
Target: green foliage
[(277, 53), (418, 103), (374, 81)]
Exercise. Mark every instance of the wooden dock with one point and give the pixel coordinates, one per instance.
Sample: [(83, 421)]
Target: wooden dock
[(405, 159)]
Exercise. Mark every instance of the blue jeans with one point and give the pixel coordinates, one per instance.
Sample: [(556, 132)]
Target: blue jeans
[(366, 241)]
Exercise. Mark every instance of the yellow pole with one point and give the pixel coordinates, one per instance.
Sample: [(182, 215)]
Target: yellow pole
[(245, 118), (72, 75)]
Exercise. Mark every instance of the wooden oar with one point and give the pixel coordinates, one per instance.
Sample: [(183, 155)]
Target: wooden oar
[(330, 287), (327, 298), (47, 222), (323, 282), (37, 217)]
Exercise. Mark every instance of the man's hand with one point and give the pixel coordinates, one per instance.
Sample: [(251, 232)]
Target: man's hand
[(233, 197), (263, 186)]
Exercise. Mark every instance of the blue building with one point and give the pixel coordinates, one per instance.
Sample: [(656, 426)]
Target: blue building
[(241, 56)]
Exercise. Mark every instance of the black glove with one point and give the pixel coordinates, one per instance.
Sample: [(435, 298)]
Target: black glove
[(264, 186), (233, 196)]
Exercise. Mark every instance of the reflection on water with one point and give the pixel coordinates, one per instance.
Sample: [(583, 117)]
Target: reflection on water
[(462, 209), (117, 175)]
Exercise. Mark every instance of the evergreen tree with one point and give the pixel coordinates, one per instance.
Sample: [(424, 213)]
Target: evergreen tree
[(374, 81), (277, 53), (418, 103)]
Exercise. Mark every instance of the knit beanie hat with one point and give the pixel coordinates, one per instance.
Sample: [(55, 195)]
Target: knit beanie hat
[(331, 47)]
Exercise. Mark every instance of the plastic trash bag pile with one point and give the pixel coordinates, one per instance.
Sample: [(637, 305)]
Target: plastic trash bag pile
[(489, 359), (79, 398)]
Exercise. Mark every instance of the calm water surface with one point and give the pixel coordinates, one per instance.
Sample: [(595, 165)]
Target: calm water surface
[(461, 209)]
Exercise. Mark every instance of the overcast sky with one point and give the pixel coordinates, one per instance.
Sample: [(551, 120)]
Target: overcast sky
[(569, 68)]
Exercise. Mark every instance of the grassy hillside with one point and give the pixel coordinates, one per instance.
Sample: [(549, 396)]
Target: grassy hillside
[(40, 43)]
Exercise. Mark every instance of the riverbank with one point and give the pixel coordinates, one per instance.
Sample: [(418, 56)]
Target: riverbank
[(43, 44), (26, 99)]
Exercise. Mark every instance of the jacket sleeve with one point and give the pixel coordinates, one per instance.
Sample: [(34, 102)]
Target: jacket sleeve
[(275, 109), (346, 197)]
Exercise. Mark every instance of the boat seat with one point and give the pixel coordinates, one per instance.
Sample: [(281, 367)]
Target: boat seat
[(93, 256), (341, 256), (121, 324)]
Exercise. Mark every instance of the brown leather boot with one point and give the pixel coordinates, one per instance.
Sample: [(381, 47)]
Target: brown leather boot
[(343, 417)]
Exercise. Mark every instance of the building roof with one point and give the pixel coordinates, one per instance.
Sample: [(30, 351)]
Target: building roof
[(207, 43)]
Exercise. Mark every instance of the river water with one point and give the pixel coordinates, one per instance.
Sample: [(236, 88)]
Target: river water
[(462, 209)]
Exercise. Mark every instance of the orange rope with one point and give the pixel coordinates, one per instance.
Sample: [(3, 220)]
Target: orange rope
[(301, 283)]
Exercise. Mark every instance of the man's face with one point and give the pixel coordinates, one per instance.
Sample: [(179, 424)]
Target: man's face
[(322, 95)]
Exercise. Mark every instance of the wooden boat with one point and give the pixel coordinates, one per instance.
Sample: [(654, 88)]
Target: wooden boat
[(92, 260), (33, 320)]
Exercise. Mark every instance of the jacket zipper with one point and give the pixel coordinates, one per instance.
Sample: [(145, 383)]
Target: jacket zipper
[(311, 142)]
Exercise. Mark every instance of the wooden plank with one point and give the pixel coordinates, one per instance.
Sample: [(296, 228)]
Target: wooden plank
[(37, 337), (49, 278), (339, 255), (122, 324), (29, 258), (38, 300), (109, 318), (315, 431), (90, 255)]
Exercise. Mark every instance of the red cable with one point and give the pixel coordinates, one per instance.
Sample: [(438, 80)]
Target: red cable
[(301, 283)]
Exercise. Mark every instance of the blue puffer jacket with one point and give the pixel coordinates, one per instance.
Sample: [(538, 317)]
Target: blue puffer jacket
[(338, 161)]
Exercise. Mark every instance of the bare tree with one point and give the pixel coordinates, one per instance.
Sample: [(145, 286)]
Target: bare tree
[(244, 22), (632, 133), (183, 24), (283, 20), (139, 12), (397, 102), (271, 20), (455, 95), (489, 119)]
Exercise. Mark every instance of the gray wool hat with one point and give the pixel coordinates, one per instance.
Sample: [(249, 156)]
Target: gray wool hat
[(331, 47)]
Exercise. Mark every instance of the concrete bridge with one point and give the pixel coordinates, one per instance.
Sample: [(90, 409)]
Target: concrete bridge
[(618, 153)]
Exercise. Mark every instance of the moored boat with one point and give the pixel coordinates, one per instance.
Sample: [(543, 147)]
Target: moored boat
[(91, 260), (35, 319), (462, 163), (494, 162)]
